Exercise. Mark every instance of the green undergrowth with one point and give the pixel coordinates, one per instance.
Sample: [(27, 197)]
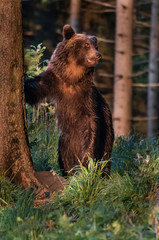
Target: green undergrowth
[(43, 137), (121, 207), (8, 192)]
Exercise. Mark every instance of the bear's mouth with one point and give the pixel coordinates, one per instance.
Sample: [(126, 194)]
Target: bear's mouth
[(92, 61)]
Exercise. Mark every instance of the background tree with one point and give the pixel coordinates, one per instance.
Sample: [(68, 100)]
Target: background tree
[(75, 14), (123, 67), (15, 159), (153, 92)]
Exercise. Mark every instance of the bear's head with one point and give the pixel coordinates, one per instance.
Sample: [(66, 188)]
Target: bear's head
[(80, 48), (76, 55)]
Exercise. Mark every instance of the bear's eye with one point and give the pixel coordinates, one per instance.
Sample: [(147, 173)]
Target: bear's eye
[(87, 45)]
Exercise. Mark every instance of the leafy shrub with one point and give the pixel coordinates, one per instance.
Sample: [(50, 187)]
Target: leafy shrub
[(33, 63)]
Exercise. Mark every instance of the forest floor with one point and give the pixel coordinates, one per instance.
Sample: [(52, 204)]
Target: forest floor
[(90, 208)]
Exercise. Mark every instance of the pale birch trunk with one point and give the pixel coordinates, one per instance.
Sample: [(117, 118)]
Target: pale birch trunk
[(75, 14), (153, 92), (123, 68)]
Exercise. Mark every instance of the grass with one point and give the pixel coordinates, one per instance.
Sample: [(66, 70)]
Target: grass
[(91, 208), (8, 192), (43, 137)]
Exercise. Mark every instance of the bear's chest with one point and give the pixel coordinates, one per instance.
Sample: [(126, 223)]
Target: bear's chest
[(69, 92), (74, 106), (73, 97)]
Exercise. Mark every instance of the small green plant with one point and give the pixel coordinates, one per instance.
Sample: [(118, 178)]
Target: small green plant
[(87, 183), (33, 61)]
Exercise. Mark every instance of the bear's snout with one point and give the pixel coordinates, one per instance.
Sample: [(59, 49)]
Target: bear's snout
[(98, 55), (93, 58)]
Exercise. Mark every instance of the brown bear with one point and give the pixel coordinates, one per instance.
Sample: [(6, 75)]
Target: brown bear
[(84, 117)]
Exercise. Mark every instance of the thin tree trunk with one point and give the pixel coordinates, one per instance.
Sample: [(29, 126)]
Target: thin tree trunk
[(15, 158), (153, 92), (75, 14), (123, 68)]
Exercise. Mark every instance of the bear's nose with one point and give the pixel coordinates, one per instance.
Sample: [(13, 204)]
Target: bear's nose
[(98, 55)]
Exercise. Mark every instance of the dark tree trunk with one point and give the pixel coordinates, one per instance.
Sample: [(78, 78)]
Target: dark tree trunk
[(15, 158), (153, 92), (14, 150)]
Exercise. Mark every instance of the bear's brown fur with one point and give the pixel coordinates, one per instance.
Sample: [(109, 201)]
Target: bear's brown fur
[(84, 117)]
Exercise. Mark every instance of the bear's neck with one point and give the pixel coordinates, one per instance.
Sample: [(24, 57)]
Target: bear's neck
[(70, 72)]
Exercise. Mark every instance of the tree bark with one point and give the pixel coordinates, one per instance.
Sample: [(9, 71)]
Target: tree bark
[(123, 68), (15, 158), (153, 92), (75, 14), (14, 148)]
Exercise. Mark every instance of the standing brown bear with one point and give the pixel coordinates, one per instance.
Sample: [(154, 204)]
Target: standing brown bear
[(84, 118)]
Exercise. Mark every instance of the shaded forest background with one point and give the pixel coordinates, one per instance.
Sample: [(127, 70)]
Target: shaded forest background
[(125, 206), (43, 21)]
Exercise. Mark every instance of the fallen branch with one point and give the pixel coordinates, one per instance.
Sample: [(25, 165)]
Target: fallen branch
[(108, 58), (144, 118), (106, 75), (105, 40), (141, 45), (101, 3), (145, 84), (143, 24), (139, 73), (103, 86), (145, 14), (99, 11)]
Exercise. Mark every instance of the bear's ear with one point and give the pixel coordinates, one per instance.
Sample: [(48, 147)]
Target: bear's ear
[(94, 39), (68, 32)]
